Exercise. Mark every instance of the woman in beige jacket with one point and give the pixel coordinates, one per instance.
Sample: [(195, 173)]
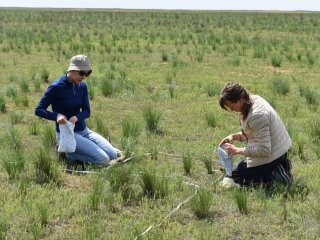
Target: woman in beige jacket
[(267, 139)]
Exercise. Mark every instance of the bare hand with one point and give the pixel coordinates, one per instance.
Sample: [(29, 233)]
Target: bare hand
[(61, 119), (233, 150), (228, 139), (73, 120), (230, 148)]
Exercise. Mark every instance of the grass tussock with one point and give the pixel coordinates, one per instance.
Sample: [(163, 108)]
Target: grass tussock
[(46, 169), (241, 200), (201, 203), (152, 118)]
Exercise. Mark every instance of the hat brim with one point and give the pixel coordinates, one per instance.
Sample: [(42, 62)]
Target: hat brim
[(79, 68)]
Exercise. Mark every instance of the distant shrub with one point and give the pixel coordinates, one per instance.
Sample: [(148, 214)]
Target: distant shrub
[(101, 128), (300, 148), (24, 100), (187, 162), (91, 91), (2, 104), (276, 60), (281, 86), (171, 89), (131, 129), (44, 75), (299, 56), (33, 128), (37, 86), (164, 56), (11, 91), (315, 129), (310, 95), (16, 117), (14, 78), (212, 89), (107, 87), (259, 52), (152, 118), (211, 119), (24, 86), (236, 62), (311, 58), (12, 138), (199, 56)]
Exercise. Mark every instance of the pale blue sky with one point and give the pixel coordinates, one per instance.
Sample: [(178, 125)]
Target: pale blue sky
[(311, 5)]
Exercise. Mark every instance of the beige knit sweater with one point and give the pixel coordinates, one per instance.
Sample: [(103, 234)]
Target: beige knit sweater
[(267, 136)]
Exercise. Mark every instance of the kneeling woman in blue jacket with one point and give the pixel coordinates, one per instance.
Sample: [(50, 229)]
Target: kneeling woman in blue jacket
[(68, 97), (267, 139)]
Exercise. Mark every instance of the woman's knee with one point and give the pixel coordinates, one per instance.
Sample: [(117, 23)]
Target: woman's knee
[(103, 162), (112, 154), (102, 158)]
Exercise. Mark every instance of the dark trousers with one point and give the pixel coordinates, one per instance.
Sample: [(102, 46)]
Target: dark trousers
[(278, 170)]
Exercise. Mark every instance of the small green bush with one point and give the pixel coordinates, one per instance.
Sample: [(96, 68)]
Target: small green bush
[(208, 164), (13, 163), (241, 199), (43, 211), (211, 119), (101, 128), (95, 195), (44, 75), (131, 129), (187, 162), (24, 86), (201, 203), (107, 87), (152, 118), (2, 104), (212, 89), (48, 137), (46, 169), (276, 60), (281, 86)]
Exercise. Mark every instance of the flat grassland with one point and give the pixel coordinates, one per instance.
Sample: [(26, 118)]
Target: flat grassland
[(154, 93)]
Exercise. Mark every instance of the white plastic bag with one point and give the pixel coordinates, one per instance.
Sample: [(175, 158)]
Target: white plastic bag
[(67, 142), (226, 160)]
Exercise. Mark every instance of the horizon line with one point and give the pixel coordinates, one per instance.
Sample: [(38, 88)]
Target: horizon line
[(158, 9)]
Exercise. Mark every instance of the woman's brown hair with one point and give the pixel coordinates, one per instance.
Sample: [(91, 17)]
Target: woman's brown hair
[(233, 92)]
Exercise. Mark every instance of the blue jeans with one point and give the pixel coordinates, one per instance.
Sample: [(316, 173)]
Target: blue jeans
[(91, 148)]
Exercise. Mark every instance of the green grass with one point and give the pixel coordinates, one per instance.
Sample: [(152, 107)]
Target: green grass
[(241, 199), (187, 162), (2, 104), (152, 118), (276, 60), (201, 203), (13, 163), (155, 76), (281, 86), (131, 129)]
